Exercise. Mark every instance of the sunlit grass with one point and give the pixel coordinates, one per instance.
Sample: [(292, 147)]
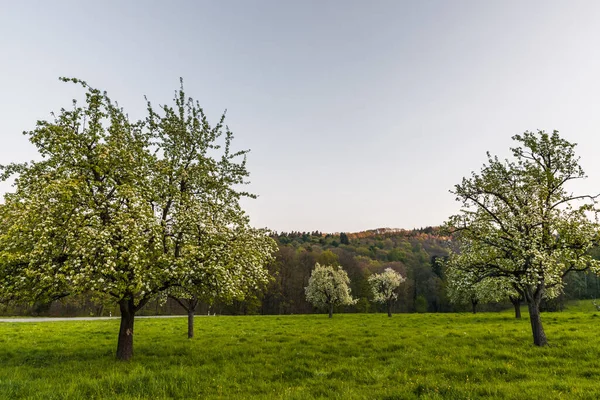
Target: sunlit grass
[(352, 356)]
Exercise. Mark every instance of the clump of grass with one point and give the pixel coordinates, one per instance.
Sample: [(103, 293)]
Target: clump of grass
[(352, 356)]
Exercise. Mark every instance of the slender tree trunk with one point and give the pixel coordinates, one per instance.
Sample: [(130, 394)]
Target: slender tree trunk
[(125, 344), (534, 298), (516, 301), (192, 304), (474, 304), (190, 324), (389, 308), (330, 310)]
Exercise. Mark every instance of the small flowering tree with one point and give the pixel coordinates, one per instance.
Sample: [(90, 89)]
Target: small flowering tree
[(229, 266), (519, 222), (328, 287), (206, 239), (464, 287), (384, 287)]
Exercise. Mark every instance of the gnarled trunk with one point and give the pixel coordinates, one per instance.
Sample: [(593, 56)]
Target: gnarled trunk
[(125, 343), (533, 298)]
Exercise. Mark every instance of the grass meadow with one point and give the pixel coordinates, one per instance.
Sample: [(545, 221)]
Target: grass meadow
[(352, 356)]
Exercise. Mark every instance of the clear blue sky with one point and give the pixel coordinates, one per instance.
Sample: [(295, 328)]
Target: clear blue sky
[(359, 114)]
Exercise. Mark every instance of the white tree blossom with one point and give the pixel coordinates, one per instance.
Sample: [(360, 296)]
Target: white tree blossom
[(385, 287), (328, 286), (465, 287)]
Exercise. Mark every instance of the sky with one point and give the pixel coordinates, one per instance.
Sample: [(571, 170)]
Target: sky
[(358, 114)]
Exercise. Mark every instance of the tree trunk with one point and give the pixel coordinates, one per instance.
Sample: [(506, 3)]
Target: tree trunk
[(534, 298), (190, 306), (539, 337), (516, 301), (125, 344), (190, 323), (389, 308), (330, 310), (474, 304)]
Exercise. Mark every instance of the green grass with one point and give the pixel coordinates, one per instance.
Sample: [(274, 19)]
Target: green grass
[(352, 356), (582, 306)]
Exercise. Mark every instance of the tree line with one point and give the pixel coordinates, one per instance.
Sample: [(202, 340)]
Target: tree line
[(418, 255)]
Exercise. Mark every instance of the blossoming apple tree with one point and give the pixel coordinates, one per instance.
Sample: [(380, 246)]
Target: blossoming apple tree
[(520, 222), (328, 287), (385, 287), (203, 229)]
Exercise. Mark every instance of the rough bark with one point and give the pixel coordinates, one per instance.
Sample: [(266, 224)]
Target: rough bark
[(539, 336), (533, 298), (125, 343)]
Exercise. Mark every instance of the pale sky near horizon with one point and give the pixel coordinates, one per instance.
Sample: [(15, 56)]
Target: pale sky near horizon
[(358, 114)]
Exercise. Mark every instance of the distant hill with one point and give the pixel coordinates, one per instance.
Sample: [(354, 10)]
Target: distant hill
[(410, 252)]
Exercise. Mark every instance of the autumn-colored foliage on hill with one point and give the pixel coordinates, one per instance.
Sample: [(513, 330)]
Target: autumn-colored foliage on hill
[(429, 232)]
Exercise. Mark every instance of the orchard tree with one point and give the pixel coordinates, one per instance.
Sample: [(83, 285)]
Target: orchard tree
[(328, 286), (108, 208), (230, 265), (520, 222), (79, 220), (465, 287), (385, 287), (203, 229)]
